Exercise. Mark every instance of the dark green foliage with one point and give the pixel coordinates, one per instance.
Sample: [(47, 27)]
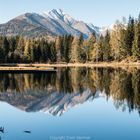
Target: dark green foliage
[(136, 43), (21, 50), (122, 49), (65, 48), (52, 51), (101, 40), (129, 36)]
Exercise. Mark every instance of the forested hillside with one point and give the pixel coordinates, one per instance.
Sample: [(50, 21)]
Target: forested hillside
[(122, 43)]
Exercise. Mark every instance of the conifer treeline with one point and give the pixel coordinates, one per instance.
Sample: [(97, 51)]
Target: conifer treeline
[(22, 50), (121, 43)]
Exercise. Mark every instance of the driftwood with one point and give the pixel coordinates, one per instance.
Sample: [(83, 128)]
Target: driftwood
[(27, 131)]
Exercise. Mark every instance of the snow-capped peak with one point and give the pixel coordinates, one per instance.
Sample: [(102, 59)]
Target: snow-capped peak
[(60, 11), (54, 14), (59, 14)]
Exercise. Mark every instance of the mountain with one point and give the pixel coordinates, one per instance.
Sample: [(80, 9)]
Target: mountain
[(52, 23)]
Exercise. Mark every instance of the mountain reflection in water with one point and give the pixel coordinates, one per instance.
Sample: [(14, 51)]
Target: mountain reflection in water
[(57, 92)]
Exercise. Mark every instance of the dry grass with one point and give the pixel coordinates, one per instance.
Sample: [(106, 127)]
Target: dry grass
[(24, 68), (51, 67)]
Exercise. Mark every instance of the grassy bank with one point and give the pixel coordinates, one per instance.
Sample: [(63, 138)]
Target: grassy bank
[(26, 68), (43, 66), (100, 64)]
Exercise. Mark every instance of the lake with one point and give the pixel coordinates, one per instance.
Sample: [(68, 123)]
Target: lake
[(71, 104)]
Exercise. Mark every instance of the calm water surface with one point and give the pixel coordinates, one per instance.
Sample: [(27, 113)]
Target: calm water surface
[(71, 104)]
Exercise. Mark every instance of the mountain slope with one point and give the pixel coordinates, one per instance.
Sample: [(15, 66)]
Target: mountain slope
[(26, 25), (65, 19)]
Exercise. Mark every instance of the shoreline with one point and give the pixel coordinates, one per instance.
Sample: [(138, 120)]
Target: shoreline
[(53, 67), (27, 69), (100, 64)]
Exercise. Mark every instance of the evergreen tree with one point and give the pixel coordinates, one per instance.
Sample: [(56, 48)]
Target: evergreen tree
[(27, 51), (58, 44), (100, 42), (81, 50), (91, 47), (18, 54), (1, 50), (74, 51), (52, 52), (77, 50), (68, 48), (96, 53), (136, 42), (129, 36), (106, 47), (5, 46), (122, 49)]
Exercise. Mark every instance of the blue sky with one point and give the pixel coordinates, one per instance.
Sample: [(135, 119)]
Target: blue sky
[(99, 12)]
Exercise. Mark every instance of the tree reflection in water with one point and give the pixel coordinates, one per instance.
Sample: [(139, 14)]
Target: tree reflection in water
[(70, 86)]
